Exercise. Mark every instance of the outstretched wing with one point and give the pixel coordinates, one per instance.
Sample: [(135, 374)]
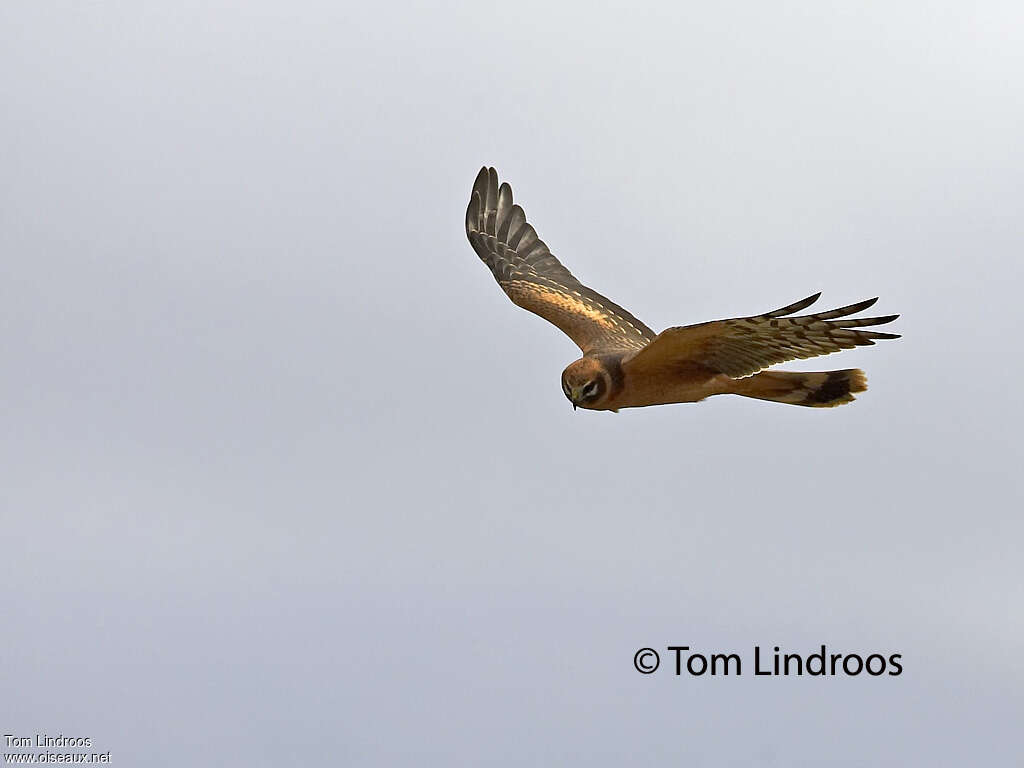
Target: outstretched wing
[(535, 280), (746, 345)]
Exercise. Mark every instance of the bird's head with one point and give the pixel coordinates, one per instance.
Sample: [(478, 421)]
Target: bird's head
[(586, 383)]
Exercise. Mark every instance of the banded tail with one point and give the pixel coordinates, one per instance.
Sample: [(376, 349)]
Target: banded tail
[(814, 390)]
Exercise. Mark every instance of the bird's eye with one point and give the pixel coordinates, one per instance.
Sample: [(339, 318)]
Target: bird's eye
[(590, 390)]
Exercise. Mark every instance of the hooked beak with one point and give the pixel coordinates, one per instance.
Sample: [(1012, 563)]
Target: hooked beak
[(577, 395)]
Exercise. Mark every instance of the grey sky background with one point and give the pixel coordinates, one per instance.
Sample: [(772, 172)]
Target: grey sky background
[(286, 479)]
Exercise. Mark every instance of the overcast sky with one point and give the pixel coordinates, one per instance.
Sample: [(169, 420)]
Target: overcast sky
[(286, 479)]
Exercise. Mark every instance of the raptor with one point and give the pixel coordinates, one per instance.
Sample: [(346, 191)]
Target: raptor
[(627, 365)]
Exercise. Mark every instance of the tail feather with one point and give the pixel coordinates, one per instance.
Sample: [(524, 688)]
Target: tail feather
[(814, 390)]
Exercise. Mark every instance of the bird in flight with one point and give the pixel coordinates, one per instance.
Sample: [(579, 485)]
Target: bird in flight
[(627, 365)]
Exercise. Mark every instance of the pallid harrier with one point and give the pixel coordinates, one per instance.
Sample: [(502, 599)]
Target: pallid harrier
[(626, 365)]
